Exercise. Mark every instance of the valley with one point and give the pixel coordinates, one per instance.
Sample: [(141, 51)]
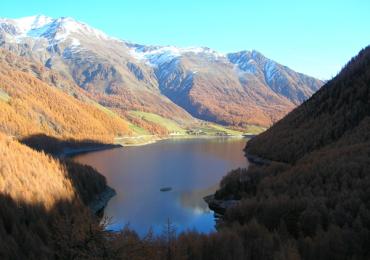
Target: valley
[(186, 142), (181, 84)]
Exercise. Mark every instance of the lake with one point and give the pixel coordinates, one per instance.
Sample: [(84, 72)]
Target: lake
[(192, 168)]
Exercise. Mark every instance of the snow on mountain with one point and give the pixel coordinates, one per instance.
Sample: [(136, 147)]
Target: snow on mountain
[(243, 62), (254, 62), (30, 23), (51, 29), (270, 70), (157, 55), (235, 88)]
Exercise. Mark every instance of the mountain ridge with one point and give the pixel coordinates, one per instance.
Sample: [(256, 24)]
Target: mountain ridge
[(183, 84), (312, 183), (340, 96)]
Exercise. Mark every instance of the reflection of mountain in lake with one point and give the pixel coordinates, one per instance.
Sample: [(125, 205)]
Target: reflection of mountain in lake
[(194, 199), (191, 167), (230, 148)]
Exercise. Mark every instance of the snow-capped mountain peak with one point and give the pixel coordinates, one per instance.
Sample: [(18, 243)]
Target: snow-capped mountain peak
[(156, 55), (27, 24), (204, 82), (51, 29)]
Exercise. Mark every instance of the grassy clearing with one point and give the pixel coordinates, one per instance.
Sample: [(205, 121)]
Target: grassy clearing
[(140, 135), (254, 129), (138, 130), (136, 140), (215, 129), (221, 128), (4, 96), (204, 128), (104, 109), (169, 124)]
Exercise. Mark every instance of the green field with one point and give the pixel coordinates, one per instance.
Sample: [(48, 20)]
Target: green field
[(254, 129), (138, 130), (169, 124), (215, 129), (136, 140), (104, 109), (221, 129), (141, 135), (203, 128), (4, 96)]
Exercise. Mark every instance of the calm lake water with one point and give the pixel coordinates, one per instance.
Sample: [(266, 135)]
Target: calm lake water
[(193, 169)]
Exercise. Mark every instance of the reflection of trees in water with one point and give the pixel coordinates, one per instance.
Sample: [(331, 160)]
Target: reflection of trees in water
[(225, 148), (194, 199), (138, 173)]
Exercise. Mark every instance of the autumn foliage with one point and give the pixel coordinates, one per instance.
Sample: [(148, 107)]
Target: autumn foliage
[(337, 115), (35, 107), (37, 193), (313, 198), (310, 201), (149, 126), (32, 177)]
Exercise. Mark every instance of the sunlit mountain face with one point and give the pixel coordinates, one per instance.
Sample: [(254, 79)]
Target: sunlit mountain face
[(179, 83), (119, 149)]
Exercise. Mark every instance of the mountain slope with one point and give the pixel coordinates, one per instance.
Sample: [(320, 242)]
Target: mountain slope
[(236, 89), (44, 199), (18, 181), (31, 107), (43, 205), (314, 195), (97, 63), (339, 110), (294, 86)]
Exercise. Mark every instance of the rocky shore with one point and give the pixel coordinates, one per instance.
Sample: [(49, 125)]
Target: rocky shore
[(257, 160), (219, 206), (101, 200)]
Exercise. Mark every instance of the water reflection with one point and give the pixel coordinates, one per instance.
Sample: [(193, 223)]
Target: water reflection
[(191, 167), (194, 199)]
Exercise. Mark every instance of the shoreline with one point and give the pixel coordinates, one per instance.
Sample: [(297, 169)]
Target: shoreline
[(102, 199), (220, 206), (257, 160), (71, 152), (159, 138)]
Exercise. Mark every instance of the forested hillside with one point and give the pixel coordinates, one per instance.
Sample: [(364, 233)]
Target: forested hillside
[(314, 196), (30, 106), (42, 203), (43, 199), (237, 89), (336, 115), (310, 199)]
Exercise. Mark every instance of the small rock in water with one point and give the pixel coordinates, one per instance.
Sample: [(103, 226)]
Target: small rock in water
[(166, 189)]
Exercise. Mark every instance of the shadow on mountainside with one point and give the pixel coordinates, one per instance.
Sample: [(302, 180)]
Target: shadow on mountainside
[(87, 182), (66, 231), (63, 147)]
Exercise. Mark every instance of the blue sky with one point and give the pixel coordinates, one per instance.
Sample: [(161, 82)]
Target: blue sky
[(314, 37)]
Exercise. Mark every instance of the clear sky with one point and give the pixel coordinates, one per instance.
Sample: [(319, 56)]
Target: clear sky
[(316, 37)]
